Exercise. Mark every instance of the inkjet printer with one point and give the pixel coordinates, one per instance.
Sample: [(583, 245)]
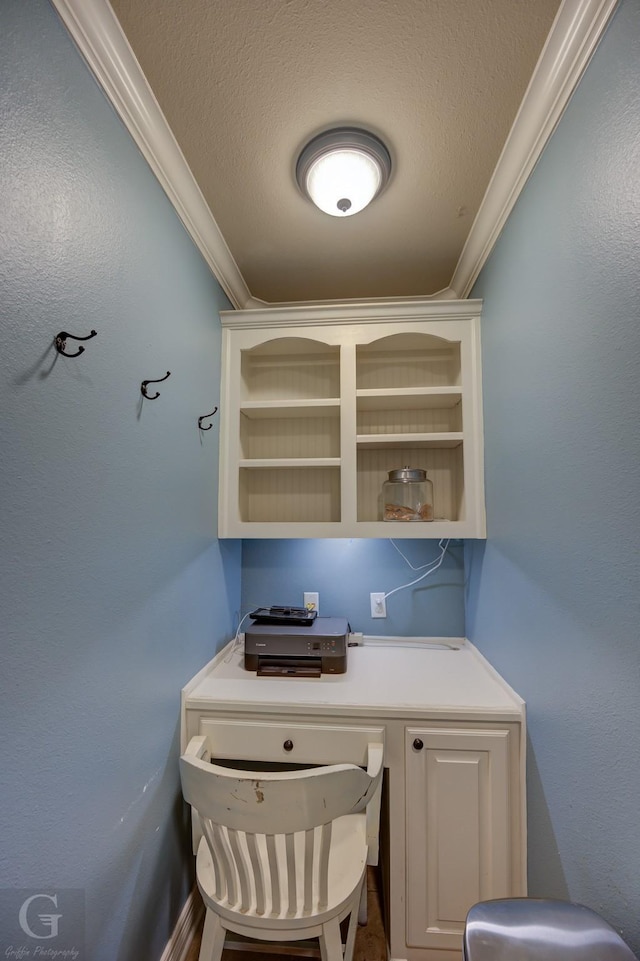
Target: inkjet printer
[(294, 642)]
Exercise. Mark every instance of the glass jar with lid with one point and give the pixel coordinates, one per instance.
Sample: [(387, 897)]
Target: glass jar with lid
[(407, 496)]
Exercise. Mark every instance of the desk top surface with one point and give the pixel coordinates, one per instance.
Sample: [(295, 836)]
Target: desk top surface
[(436, 678)]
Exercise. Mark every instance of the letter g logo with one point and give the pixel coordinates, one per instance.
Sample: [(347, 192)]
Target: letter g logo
[(48, 921)]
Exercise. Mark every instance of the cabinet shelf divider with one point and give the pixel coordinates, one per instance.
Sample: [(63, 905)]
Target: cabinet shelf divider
[(314, 407), (393, 398), (365, 441), (290, 462)]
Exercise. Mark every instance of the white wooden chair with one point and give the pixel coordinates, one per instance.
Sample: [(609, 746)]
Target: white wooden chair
[(283, 855)]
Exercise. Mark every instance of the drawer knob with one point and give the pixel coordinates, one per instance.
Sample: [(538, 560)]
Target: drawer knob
[(418, 744), (288, 745)]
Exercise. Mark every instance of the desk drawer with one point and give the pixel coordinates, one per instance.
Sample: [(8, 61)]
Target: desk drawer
[(294, 742)]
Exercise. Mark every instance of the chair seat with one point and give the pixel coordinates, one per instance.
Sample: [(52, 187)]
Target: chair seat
[(347, 866), (540, 929)]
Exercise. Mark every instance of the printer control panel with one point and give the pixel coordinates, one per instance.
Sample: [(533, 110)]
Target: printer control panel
[(322, 646)]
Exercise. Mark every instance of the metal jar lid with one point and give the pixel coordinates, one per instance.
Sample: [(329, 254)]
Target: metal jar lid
[(408, 475)]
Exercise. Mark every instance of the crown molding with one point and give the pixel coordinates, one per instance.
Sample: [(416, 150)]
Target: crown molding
[(447, 293), (346, 312), (99, 37), (576, 31), (574, 36)]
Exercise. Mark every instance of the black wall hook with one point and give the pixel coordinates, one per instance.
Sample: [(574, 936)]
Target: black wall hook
[(60, 342), (204, 417), (143, 386)]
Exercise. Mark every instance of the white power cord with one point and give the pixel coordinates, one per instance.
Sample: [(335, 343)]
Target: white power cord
[(236, 639), (432, 566)]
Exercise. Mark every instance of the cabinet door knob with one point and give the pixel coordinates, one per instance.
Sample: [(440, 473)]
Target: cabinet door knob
[(418, 744), (288, 745)]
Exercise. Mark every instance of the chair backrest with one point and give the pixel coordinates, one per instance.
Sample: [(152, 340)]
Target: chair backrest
[(255, 822)]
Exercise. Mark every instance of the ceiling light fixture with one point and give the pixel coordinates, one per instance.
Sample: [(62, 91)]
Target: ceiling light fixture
[(343, 169)]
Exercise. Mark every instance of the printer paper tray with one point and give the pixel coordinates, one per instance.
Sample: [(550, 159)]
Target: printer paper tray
[(289, 666)]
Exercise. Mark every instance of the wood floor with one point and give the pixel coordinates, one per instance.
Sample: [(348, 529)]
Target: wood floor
[(371, 944)]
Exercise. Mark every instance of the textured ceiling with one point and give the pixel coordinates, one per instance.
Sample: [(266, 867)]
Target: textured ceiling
[(245, 83)]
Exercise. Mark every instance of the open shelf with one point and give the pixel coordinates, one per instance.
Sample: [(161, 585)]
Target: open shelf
[(407, 360), (425, 420), (286, 495), (315, 415), (290, 368), (444, 467), (276, 437)]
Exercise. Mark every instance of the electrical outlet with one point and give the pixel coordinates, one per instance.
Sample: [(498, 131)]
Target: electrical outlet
[(378, 605), (312, 601)]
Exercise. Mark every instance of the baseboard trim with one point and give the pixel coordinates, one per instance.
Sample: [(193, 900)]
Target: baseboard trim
[(186, 928)]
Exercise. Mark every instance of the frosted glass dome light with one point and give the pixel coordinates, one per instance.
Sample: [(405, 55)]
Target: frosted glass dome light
[(342, 170)]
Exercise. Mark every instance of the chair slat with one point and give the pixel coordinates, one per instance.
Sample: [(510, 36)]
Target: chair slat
[(292, 880), (274, 875), (220, 884), (323, 866), (309, 843), (241, 865), (223, 851), (256, 869)]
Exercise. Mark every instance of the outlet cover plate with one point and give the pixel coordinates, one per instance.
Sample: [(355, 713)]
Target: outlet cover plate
[(378, 605), (312, 601)]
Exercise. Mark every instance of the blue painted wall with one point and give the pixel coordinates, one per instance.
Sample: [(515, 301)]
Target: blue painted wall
[(345, 572), (554, 597), (113, 587)]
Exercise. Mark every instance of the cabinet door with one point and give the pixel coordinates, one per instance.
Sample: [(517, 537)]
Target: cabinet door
[(458, 829)]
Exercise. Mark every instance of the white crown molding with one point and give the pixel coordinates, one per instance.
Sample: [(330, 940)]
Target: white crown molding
[(574, 36), (99, 37), (351, 312), (447, 293), (576, 31)]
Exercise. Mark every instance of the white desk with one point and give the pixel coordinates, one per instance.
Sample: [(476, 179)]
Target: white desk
[(453, 829)]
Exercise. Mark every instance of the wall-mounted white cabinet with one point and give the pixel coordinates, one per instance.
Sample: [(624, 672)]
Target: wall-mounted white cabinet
[(320, 403)]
